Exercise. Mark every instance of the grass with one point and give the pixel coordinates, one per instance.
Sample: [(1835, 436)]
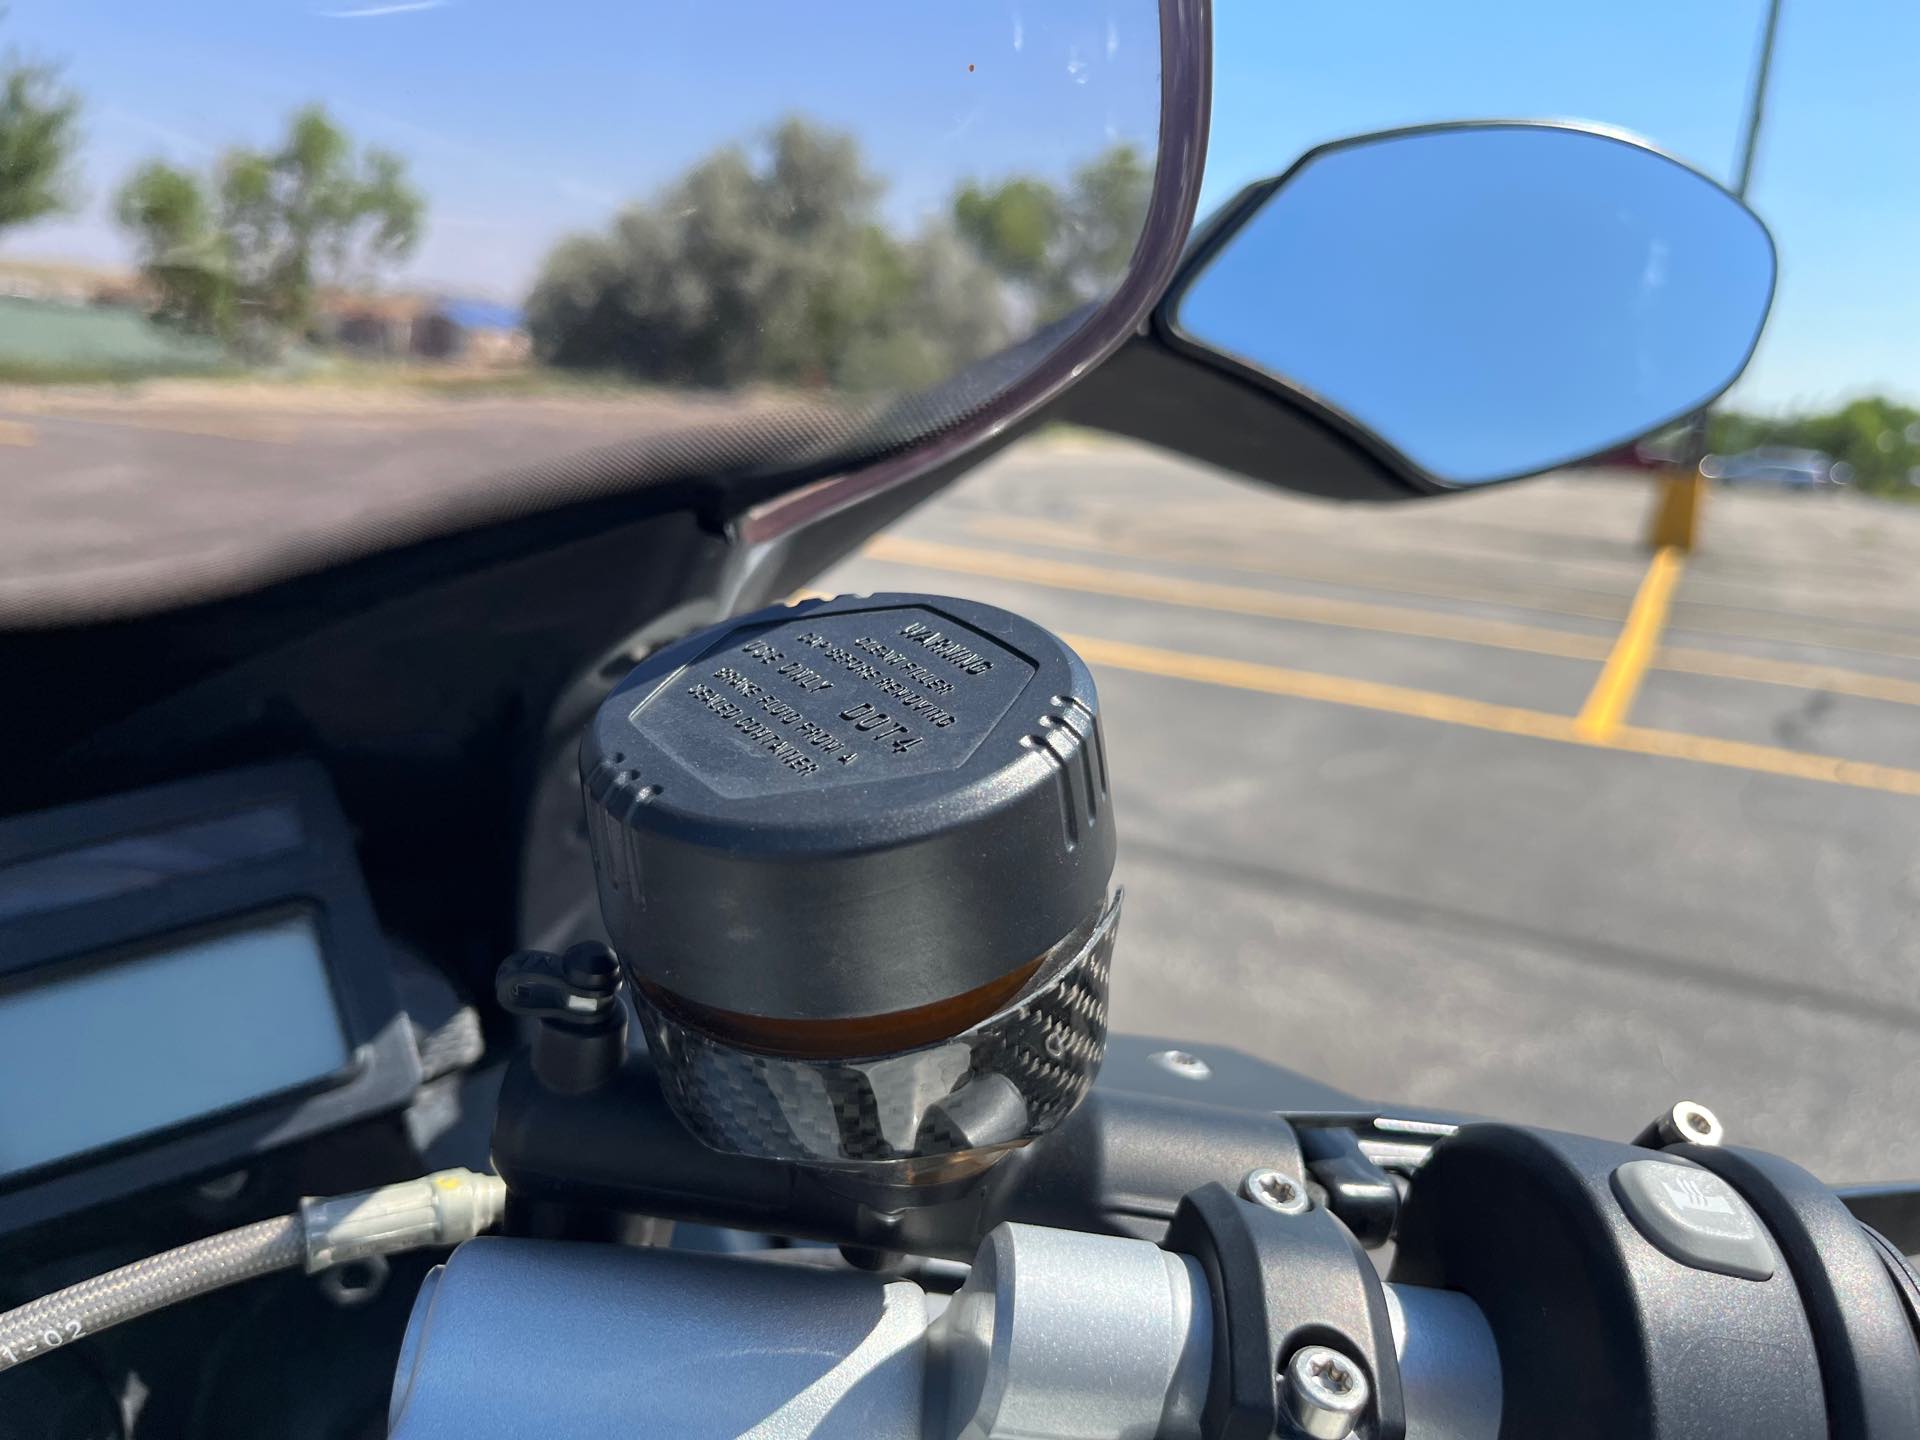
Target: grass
[(91, 372), (42, 343)]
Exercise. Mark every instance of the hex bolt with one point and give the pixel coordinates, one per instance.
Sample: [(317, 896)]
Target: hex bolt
[(1276, 1191), (1323, 1392), (1688, 1122), (1183, 1063)]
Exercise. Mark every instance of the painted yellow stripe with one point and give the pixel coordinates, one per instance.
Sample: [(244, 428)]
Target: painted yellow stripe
[(259, 431), (1725, 666), (1612, 695), (1707, 617), (13, 432), (1331, 689), (1766, 759), (1501, 719), (1580, 604), (1386, 619), (1237, 599), (265, 430)]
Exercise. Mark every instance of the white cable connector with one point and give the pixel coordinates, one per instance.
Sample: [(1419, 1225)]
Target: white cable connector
[(444, 1208)]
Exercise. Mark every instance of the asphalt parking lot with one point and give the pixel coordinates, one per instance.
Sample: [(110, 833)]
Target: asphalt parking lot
[(124, 499), (1383, 820), (1389, 816)]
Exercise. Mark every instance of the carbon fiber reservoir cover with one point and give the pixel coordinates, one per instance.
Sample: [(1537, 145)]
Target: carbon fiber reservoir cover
[(1002, 1081)]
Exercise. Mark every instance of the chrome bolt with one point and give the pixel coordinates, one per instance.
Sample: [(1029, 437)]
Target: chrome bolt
[(1697, 1124), (1275, 1191), (1324, 1393), (1687, 1123), (1183, 1064)]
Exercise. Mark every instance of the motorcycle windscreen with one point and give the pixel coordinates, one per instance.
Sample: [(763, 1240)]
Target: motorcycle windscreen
[(315, 280)]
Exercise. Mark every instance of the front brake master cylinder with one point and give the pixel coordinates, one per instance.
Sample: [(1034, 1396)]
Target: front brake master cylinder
[(855, 858)]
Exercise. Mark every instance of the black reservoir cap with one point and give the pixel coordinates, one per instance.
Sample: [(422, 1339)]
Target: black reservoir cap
[(846, 809)]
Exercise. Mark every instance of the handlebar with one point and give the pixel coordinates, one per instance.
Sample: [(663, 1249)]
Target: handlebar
[(1543, 1283), (1054, 1334), (1540, 1283)]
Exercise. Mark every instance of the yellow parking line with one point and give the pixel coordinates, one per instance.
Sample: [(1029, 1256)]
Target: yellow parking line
[(1766, 759), (1238, 599), (259, 431), (1331, 689), (13, 432), (1502, 719), (1708, 617), (1726, 666), (1580, 604), (1612, 695), (1386, 619), (264, 430)]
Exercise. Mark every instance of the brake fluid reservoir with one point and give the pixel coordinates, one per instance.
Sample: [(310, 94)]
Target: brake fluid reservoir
[(855, 857)]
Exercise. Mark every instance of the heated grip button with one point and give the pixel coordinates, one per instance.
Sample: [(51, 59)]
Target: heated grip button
[(1695, 1217)]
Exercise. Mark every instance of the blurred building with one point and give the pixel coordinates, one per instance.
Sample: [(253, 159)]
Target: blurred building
[(61, 283), (380, 326), (424, 327), (476, 332)]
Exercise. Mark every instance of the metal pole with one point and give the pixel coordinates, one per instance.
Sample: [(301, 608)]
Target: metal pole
[(1757, 101), (1676, 517)]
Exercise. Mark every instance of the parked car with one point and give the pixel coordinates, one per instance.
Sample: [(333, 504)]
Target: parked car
[(1776, 465)]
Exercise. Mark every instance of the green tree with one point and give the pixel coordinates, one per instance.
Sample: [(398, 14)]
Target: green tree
[(310, 212), (1106, 211), (767, 263), (38, 132), (1015, 225), (180, 250), (939, 307), (245, 251), (1063, 247)]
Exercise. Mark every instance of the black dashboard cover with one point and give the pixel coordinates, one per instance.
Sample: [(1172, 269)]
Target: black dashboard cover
[(848, 808)]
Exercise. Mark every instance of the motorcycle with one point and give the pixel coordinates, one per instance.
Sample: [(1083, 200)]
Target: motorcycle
[(742, 963)]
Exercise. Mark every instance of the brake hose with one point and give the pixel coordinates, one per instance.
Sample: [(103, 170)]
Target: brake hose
[(444, 1208), (151, 1284)]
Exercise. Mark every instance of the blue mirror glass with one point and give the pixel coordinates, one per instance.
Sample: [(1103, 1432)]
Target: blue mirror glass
[(1489, 300)]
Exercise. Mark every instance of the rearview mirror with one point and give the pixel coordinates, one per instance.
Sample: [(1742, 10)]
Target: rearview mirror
[(1478, 302)]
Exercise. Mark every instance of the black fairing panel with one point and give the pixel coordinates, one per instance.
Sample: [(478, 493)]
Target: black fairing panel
[(423, 682), (1150, 392), (442, 685)]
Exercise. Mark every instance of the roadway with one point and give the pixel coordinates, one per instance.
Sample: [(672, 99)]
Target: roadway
[(121, 500), (1383, 821)]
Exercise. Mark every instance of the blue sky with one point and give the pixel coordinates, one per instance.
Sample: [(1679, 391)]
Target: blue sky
[(524, 122), (1838, 178)]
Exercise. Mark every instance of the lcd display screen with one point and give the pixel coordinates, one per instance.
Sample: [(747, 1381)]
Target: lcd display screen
[(95, 1054)]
